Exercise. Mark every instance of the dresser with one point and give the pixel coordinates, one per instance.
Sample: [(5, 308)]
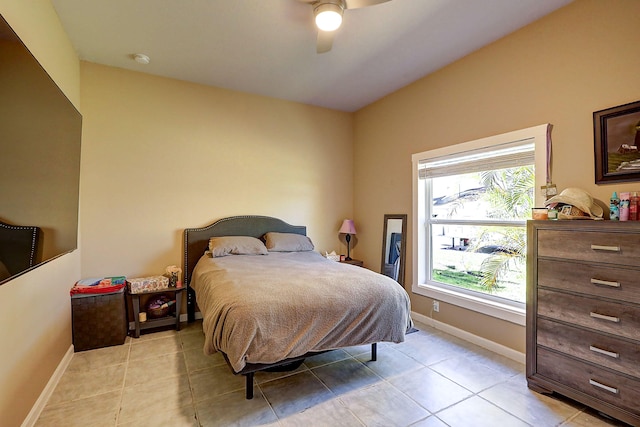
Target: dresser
[(583, 313)]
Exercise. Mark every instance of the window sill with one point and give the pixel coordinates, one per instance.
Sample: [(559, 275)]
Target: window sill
[(509, 313)]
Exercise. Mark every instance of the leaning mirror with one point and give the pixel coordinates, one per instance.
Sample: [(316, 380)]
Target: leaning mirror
[(394, 246)]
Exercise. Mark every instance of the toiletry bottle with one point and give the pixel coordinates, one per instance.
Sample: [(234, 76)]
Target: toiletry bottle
[(624, 206), (614, 210), (633, 207)]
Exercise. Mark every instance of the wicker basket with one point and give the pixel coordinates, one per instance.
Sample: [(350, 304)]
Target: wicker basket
[(98, 320), (155, 309), (154, 313)]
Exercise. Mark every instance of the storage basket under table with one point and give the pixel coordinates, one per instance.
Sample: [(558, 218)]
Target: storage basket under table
[(98, 320)]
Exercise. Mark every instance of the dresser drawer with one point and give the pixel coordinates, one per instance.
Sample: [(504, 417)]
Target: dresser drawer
[(615, 318), (616, 389), (614, 353), (608, 247), (609, 282)]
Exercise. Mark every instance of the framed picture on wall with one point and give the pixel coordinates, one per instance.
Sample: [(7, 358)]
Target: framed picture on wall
[(616, 133)]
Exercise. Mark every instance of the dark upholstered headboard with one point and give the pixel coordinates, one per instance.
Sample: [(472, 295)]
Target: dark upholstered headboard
[(196, 241), (18, 247)]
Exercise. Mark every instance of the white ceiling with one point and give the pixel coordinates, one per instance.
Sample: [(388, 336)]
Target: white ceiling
[(268, 47)]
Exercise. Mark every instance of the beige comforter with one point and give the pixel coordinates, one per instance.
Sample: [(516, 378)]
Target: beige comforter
[(267, 308)]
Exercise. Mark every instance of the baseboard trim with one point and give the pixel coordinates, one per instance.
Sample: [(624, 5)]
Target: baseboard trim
[(474, 339), (37, 408)]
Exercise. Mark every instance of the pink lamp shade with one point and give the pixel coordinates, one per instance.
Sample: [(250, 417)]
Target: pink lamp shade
[(347, 227)]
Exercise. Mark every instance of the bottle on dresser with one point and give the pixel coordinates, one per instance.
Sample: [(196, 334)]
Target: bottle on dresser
[(624, 206), (633, 207), (614, 209)]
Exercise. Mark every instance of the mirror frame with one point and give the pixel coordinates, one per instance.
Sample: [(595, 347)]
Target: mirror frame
[(403, 245)]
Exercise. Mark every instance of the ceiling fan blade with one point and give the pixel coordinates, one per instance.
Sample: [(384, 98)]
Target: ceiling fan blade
[(355, 4), (325, 41)]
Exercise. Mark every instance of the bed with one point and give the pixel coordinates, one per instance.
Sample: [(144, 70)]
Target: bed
[(268, 308)]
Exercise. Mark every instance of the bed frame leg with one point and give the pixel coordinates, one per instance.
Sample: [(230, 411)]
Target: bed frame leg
[(374, 352), (249, 386)]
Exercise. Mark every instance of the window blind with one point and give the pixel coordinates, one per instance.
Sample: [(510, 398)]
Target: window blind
[(508, 155)]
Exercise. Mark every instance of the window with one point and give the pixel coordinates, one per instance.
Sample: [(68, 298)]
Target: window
[(471, 203)]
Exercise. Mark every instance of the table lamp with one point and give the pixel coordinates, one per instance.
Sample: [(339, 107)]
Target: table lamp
[(348, 228)]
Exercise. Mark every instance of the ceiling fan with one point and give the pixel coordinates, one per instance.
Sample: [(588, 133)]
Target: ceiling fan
[(328, 17)]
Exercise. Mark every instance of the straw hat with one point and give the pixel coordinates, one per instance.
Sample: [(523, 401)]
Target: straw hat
[(579, 199)]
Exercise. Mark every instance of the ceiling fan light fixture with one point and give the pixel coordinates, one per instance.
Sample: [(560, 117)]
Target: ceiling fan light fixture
[(141, 58), (328, 16)]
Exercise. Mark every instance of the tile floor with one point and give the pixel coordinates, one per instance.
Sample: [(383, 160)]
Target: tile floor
[(430, 380)]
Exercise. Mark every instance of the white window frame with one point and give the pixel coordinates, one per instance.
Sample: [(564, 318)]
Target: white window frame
[(489, 305)]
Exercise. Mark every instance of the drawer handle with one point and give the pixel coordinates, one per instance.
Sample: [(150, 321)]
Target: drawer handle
[(605, 248), (605, 283), (604, 317), (604, 387), (605, 352)]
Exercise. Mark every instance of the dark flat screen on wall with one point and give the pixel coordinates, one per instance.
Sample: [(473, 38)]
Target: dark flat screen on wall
[(40, 133)]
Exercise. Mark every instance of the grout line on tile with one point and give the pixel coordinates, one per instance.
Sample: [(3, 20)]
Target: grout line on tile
[(502, 409), (124, 381)]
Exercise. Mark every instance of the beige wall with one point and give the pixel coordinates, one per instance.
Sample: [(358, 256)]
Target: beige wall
[(160, 155), (557, 70), (34, 308)]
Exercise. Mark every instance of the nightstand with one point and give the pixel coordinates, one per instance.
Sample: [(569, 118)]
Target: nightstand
[(162, 321), (356, 262)]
